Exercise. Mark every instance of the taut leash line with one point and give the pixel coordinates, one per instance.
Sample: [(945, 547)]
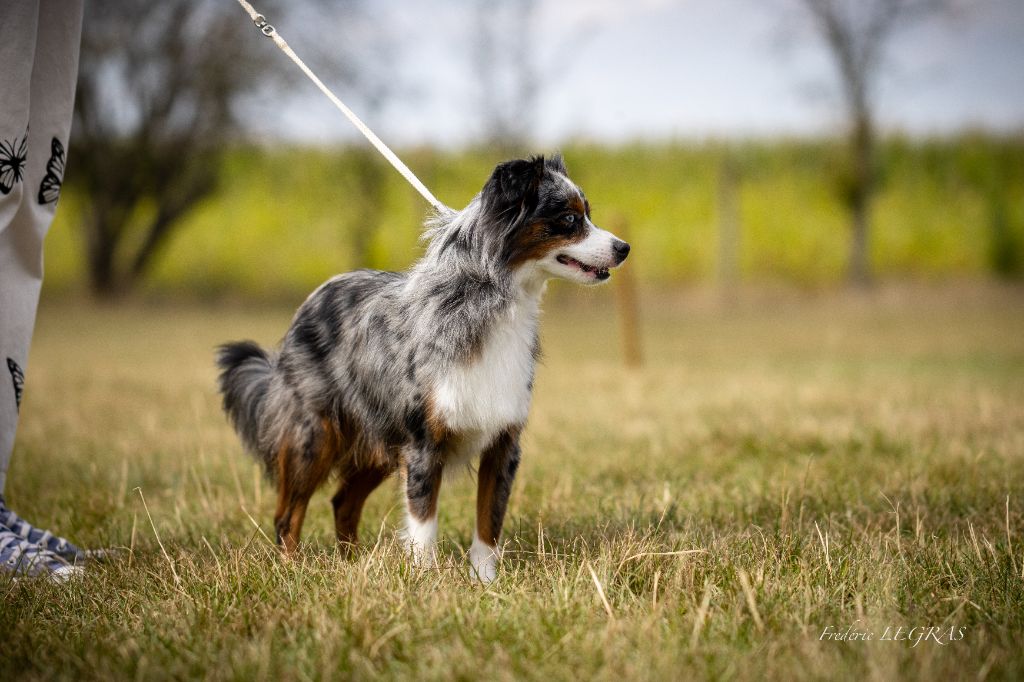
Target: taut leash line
[(269, 31)]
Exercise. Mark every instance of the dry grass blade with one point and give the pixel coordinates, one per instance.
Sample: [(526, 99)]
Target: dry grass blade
[(170, 561), (640, 555), (824, 547), (1009, 540), (702, 614), (748, 591), (600, 591)]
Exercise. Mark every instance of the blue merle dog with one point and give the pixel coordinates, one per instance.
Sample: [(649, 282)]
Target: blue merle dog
[(420, 370)]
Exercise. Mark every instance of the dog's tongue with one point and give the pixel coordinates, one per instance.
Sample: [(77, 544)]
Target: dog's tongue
[(569, 260), (599, 273)]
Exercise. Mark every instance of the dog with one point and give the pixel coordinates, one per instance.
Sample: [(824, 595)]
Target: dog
[(420, 371)]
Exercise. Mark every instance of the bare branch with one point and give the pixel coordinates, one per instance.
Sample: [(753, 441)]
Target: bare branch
[(161, 89), (856, 33)]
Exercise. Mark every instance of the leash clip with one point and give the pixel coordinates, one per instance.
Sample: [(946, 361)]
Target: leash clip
[(262, 24)]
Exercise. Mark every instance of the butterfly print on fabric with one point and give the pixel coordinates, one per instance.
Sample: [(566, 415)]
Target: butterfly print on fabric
[(12, 162), (19, 381), (49, 190)]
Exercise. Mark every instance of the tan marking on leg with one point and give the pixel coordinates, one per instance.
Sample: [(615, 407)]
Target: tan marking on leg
[(486, 482), (298, 479), (348, 504), (284, 492), (491, 462), (296, 515), (436, 427)]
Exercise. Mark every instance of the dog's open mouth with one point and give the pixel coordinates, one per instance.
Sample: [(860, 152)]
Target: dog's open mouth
[(599, 273)]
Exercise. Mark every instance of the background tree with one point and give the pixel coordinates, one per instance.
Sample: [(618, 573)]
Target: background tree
[(162, 92), (158, 91), (502, 58), (367, 69), (511, 68), (856, 33)]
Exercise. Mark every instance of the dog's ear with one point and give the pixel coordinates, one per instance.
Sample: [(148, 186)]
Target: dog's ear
[(557, 164), (514, 183)]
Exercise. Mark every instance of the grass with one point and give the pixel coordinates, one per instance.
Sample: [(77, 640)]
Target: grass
[(283, 219), (780, 466)]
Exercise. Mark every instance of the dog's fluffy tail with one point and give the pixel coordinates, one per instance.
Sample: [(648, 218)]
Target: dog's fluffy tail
[(246, 371)]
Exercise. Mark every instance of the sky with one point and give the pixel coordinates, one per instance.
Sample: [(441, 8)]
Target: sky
[(613, 70)]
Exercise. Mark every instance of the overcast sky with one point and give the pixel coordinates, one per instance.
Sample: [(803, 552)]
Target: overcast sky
[(654, 69)]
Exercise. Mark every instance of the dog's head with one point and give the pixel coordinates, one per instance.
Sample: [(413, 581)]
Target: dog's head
[(543, 223)]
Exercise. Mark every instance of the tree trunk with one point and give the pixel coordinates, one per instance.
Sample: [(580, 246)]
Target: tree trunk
[(101, 245), (629, 307), (860, 265), (862, 191), (728, 227), (102, 278)]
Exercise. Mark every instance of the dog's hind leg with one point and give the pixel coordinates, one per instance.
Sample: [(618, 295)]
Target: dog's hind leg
[(498, 466), (301, 470), (295, 487), (348, 503), (291, 512)]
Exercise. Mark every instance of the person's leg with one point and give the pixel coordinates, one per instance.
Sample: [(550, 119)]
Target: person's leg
[(17, 291), (39, 43)]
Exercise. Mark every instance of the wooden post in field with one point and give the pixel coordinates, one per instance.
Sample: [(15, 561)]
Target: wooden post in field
[(728, 227), (625, 294)]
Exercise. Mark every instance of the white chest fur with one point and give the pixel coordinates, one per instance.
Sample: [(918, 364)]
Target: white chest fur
[(492, 392)]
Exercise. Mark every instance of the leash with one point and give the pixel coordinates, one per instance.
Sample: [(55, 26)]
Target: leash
[(269, 31)]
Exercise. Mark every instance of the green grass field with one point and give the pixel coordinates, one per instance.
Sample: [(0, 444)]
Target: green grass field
[(784, 465), (283, 218)]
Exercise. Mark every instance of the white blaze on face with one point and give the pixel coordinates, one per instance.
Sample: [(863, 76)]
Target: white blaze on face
[(586, 261)]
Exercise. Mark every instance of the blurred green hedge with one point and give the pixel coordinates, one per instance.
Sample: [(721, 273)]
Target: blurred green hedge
[(283, 219)]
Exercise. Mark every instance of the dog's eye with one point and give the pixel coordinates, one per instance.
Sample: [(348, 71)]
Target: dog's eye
[(566, 224)]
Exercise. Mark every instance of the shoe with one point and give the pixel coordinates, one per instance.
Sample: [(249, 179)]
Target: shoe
[(43, 539), (22, 559)]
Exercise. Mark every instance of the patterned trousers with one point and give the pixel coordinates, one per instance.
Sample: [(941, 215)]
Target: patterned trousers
[(39, 42)]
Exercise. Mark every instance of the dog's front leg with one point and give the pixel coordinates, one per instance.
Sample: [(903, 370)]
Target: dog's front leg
[(423, 470), (494, 485)]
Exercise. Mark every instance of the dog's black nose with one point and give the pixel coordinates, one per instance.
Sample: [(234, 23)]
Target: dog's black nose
[(621, 249)]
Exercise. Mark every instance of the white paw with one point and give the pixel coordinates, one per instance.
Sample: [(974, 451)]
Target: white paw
[(421, 541), (483, 561)]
